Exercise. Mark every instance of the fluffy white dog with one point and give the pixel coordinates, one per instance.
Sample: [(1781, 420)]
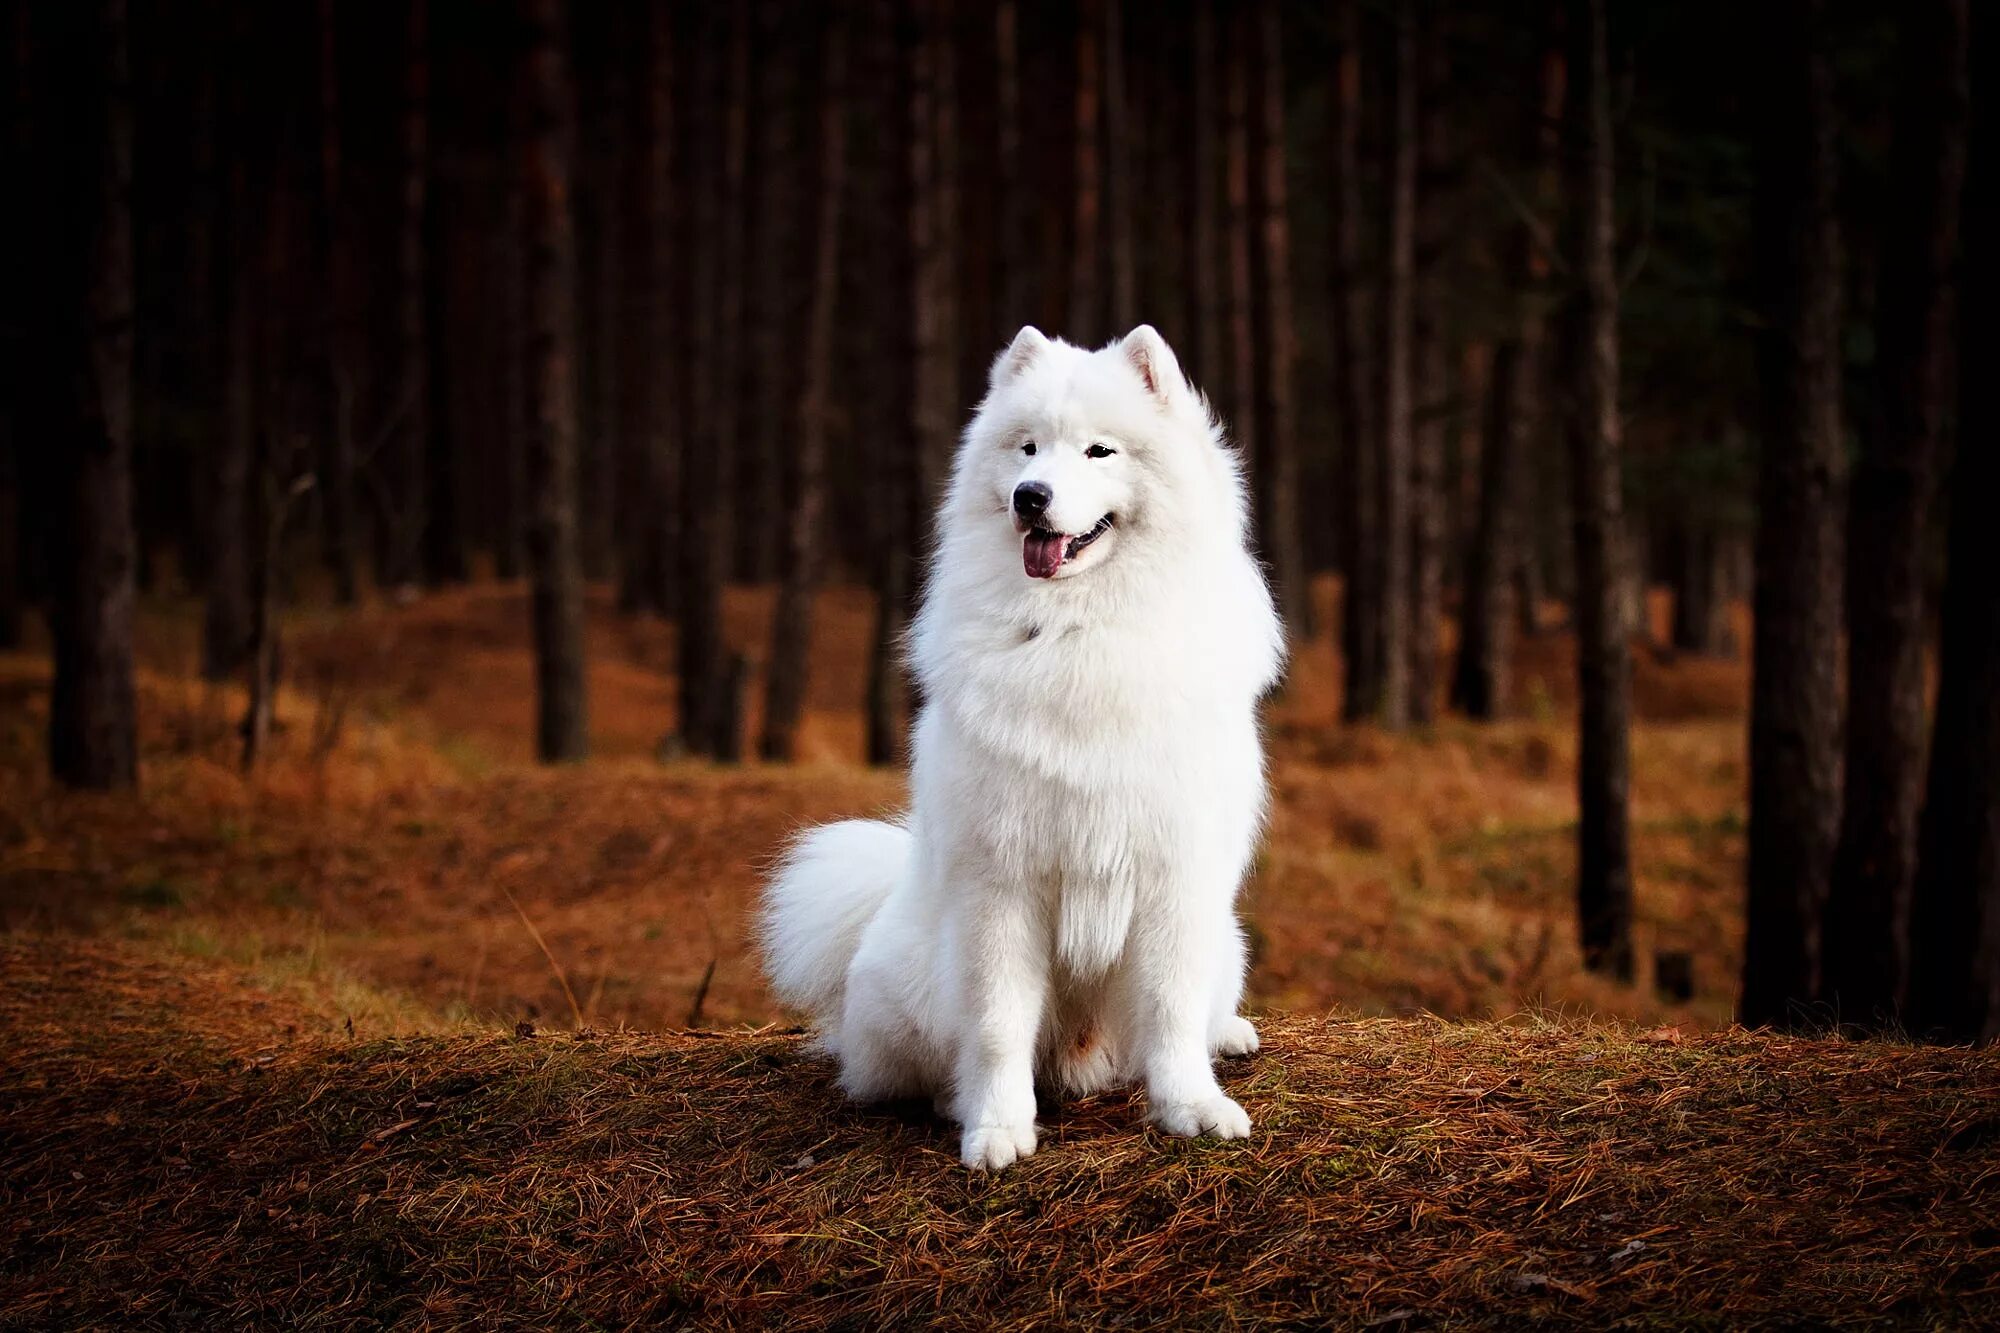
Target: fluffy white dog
[(1087, 779)]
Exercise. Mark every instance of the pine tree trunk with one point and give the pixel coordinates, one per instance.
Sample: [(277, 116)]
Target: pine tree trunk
[(772, 372), (412, 370), (1604, 667), (342, 532), (1432, 361), (655, 408), (1277, 462), (226, 600), (606, 511), (1205, 262), (444, 556), (1123, 257), (1015, 215), (1086, 300), (1391, 596), (549, 249), (1875, 864), (703, 659), (791, 629), (1701, 587), (83, 384), (1795, 695), (509, 553), (1500, 545), (1955, 920), (1242, 292), (1360, 620)]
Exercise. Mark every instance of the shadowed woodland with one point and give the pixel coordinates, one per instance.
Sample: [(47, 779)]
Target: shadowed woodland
[(466, 470)]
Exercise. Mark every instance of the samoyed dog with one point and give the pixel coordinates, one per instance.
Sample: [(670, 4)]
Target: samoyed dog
[(1087, 781)]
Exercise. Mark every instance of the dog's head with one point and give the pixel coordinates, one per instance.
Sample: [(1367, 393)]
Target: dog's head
[(1080, 451)]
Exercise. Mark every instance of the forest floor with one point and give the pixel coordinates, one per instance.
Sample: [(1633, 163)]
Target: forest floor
[(264, 1064)]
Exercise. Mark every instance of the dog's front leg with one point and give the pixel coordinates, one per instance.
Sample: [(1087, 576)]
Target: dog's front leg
[(1173, 980), (1006, 988)]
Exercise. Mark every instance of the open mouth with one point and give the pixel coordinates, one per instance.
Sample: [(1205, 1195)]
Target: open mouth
[(1044, 552)]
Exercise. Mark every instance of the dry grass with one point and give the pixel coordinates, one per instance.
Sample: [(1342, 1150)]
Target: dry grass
[(178, 1148), (400, 809)]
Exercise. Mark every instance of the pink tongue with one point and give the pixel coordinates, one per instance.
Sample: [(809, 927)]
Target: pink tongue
[(1042, 553)]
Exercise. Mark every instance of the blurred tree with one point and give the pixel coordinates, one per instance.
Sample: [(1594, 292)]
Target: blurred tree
[(1361, 627), (1795, 696), (226, 602), (549, 250), (1955, 935), (1390, 600), (336, 260), (80, 382), (1590, 367), (1480, 682), (1205, 253), (1874, 870), (1431, 364), (1087, 257), (1276, 464), (404, 518), (799, 558)]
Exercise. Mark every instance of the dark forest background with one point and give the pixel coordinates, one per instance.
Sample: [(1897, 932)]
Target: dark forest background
[(1513, 309)]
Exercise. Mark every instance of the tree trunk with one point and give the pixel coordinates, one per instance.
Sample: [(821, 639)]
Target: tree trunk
[(549, 249), (1242, 293), (606, 511), (226, 600), (1015, 214), (791, 628), (83, 384), (1481, 679), (337, 274), (1360, 619), (412, 370), (1604, 667), (1875, 864), (1391, 597), (444, 557), (772, 373), (1277, 462), (1701, 587), (1086, 300), (649, 494), (1205, 264), (1431, 359), (1955, 925), (1122, 256), (1795, 695)]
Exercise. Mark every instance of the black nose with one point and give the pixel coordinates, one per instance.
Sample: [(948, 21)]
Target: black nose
[(1031, 500)]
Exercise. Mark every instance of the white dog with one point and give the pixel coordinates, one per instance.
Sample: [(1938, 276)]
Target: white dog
[(1087, 780)]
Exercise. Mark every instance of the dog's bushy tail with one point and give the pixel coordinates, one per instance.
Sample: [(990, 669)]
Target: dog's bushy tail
[(825, 891)]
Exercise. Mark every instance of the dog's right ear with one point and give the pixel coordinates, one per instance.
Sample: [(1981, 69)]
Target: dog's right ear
[(1027, 346)]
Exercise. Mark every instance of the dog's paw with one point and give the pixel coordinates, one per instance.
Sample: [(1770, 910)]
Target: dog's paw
[(992, 1147), (1234, 1036), (1216, 1117)]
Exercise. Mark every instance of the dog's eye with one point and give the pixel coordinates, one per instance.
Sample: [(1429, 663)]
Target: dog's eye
[(1029, 448), (1098, 451)]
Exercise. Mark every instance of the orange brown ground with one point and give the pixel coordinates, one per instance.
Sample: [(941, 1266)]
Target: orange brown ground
[(262, 1064), (400, 834)]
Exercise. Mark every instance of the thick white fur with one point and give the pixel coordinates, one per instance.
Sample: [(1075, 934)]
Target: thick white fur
[(1087, 780)]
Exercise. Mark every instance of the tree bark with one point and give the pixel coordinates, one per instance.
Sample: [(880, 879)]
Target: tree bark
[(1277, 461), (1241, 315), (1875, 863), (1431, 359), (791, 629), (83, 387), (1015, 215), (1361, 647), (1955, 927), (1205, 264), (1701, 586), (1481, 679), (549, 249), (226, 596), (413, 375), (1086, 299), (342, 532), (772, 374), (1795, 696), (1122, 255), (1604, 667), (656, 421), (1391, 596)]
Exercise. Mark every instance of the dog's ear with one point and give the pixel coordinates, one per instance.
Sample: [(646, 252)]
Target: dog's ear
[(1155, 361), (1027, 346)]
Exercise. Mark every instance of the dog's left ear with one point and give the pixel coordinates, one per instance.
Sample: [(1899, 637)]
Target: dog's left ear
[(1154, 360)]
